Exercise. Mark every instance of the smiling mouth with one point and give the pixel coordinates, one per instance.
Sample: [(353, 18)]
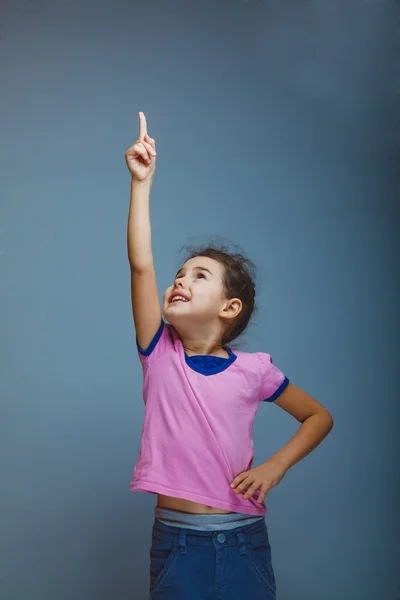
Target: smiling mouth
[(179, 301)]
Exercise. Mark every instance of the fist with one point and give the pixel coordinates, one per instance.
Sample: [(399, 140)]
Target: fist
[(140, 158)]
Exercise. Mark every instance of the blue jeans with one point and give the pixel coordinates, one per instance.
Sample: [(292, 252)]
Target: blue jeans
[(225, 564)]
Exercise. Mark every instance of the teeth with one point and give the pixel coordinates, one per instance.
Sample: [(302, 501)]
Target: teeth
[(179, 298)]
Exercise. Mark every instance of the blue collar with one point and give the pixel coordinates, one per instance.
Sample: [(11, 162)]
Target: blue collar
[(206, 364)]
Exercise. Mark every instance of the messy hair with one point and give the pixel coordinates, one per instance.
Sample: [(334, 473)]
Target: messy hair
[(239, 281)]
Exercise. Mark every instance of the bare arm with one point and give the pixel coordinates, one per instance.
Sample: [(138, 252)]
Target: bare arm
[(139, 229), (146, 307), (316, 422)]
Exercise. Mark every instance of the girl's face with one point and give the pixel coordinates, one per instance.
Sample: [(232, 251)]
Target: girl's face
[(200, 282)]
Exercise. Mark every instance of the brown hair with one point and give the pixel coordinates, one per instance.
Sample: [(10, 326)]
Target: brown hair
[(239, 281)]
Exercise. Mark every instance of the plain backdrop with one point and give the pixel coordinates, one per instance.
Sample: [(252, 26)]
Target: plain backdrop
[(277, 128)]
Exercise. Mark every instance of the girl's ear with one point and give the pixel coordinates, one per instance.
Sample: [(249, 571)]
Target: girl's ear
[(233, 308)]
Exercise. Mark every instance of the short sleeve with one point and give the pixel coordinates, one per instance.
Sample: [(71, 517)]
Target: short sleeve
[(272, 380), (161, 342)]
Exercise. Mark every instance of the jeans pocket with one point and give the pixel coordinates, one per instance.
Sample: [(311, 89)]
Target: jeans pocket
[(162, 557), (259, 553)]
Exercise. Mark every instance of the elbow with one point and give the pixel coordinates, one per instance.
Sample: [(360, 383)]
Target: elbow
[(325, 419), (328, 419)]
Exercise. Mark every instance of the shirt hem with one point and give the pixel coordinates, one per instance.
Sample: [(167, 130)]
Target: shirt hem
[(155, 488)]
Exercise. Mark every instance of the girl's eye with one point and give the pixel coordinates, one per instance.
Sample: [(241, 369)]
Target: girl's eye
[(198, 275)]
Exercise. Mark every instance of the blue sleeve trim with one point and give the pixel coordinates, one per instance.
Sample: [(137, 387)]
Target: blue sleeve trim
[(153, 342), (279, 391)]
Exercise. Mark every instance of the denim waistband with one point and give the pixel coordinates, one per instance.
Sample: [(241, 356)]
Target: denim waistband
[(210, 522)]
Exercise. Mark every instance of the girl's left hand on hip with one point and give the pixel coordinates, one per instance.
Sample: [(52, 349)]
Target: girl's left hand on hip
[(265, 476)]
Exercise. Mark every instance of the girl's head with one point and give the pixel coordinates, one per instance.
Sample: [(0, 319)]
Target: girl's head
[(220, 290)]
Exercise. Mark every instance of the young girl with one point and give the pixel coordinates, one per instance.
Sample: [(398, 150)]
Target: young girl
[(209, 537)]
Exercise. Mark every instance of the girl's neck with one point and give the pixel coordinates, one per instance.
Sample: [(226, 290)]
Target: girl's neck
[(217, 352), (202, 346)]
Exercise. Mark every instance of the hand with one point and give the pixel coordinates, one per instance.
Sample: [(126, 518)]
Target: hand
[(266, 476), (140, 157)]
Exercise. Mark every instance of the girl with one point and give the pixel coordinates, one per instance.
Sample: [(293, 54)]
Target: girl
[(209, 537)]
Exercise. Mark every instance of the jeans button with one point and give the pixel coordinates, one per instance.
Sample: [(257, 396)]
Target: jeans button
[(221, 538)]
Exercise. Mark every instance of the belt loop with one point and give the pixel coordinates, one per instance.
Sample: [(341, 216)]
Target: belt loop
[(182, 542), (242, 547)]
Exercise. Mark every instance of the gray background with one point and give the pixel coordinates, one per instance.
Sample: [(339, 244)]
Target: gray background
[(276, 127)]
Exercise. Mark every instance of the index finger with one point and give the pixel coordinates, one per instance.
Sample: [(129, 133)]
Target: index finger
[(142, 125)]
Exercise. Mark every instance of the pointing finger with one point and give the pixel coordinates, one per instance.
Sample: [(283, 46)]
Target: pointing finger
[(142, 126)]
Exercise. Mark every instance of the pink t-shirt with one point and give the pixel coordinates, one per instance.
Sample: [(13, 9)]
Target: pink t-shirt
[(199, 414)]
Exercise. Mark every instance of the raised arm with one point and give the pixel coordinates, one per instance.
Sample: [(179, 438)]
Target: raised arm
[(146, 309)]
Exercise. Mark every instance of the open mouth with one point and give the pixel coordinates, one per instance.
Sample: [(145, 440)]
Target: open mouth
[(178, 299)]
